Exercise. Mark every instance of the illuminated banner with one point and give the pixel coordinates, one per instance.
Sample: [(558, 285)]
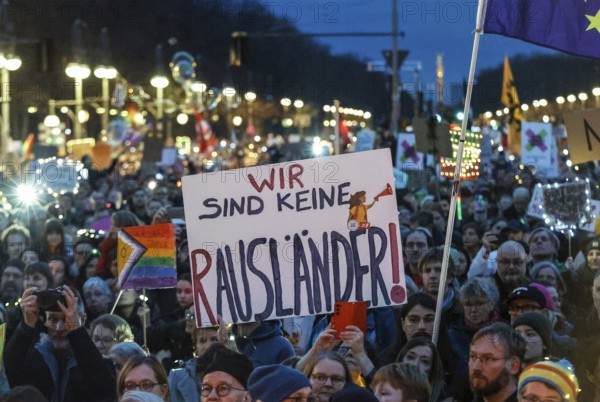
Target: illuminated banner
[(291, 239)]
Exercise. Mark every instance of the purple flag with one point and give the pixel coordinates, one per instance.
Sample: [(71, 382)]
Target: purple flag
[(572, 26)]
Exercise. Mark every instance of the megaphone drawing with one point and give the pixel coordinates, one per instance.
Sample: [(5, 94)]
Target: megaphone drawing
[(387, 191)]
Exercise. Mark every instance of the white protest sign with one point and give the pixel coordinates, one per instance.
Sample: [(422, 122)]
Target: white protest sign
[(407, 157), (568, 205), (583, 134), (281, 240), (536, 205), (538, 148), (591, 227)]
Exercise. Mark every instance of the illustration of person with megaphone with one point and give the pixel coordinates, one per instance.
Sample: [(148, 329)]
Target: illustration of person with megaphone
[(357, 216)]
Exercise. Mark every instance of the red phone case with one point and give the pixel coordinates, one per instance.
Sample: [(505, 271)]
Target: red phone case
[(349, 313)]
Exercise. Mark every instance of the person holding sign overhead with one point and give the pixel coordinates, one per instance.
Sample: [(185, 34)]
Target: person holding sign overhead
[(328, 374)]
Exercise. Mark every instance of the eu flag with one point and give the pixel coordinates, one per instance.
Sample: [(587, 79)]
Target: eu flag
[(572, 26)]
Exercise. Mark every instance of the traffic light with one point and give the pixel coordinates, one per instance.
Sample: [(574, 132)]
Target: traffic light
[(238, 48)]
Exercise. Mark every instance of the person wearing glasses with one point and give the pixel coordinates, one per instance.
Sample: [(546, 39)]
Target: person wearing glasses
[(64, 364), (535, 297), (328, 373), (511, 259), (143, 373), (549, 381), (495, 359), (185, 381), (479, 297), (225, 378), (277, 383), (416, 319), (109, 329)]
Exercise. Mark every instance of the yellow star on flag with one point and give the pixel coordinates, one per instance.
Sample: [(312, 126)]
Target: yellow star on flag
[(594, 21)]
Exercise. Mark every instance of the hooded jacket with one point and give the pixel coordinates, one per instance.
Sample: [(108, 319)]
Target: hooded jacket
[(266, 344)]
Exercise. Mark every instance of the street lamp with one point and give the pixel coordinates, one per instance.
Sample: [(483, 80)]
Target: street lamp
[(250, 98), (229, 93), (596, 93), (160, 82), (78, 72), (286, 102), (52, 119), (582, 97), (105, 73), (7, 64), (571, 98), (300, 121)]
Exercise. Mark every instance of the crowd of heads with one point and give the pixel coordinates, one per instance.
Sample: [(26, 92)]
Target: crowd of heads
[(520, 305)]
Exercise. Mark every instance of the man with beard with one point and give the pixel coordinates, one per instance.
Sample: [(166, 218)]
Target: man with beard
[(64, 365), (12, 280), (512, 271), (10, 289), (494, 362)]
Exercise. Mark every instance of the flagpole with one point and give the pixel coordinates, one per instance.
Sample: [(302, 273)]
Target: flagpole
[(457, 171), (116, 302)]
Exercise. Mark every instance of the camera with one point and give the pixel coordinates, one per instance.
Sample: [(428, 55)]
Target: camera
[(48, 299)]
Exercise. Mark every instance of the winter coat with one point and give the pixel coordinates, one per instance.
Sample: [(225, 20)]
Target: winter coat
[(266, 345), (86, 375), (183, 383)]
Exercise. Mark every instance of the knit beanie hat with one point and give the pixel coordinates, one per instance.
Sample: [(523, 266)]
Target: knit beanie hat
[(558, 375), (235, 364), (547, 296), (352, 393), (274, 382), (593, 245), (540, 324)]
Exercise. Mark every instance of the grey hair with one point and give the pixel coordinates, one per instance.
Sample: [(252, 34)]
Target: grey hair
[(535, 270), (521, 191), (98, 283), (125, 350), (551, 234), (511, 244), (479, 287)]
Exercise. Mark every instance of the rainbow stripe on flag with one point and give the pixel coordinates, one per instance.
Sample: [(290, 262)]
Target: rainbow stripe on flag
[(146, 257)]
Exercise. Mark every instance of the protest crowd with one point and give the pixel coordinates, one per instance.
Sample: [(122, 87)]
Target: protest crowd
[(521, 306)]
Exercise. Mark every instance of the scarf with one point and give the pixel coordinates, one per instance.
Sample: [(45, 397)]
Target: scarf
[(494, 317)]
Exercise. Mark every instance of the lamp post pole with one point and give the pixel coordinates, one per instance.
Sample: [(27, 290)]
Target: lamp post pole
[(160, 82), (7, 64), (105, 74), (78, 107), (230, 93), (5, 111), (78, 72)]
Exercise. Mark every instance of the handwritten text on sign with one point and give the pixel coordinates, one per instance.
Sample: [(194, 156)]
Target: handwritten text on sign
[(291, 239)]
